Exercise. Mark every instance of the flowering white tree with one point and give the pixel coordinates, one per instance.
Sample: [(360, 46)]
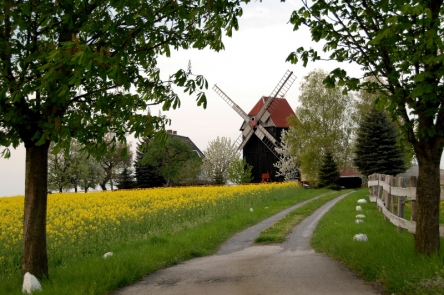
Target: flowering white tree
[(287, 165), (218, 157)]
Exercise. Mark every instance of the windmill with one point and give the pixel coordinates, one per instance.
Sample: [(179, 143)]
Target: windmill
[(262, 128)]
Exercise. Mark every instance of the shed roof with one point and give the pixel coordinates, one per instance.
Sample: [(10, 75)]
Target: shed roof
[(281, 111)]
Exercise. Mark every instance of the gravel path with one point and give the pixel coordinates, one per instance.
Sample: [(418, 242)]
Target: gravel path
[(240, 267)]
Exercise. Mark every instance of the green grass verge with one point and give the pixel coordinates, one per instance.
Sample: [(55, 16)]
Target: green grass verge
[(387, 257), (280, 229), (134, 259)]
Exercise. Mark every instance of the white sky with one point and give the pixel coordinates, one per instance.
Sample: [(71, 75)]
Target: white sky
[(251, 65)]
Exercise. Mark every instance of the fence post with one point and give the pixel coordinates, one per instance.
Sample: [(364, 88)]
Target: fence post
[(401, 203), (380, 190), (387, 196), (393, 202), (414, 215), (373, 189)]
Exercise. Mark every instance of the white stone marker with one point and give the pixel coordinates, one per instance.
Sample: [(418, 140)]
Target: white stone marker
[(30, 284)]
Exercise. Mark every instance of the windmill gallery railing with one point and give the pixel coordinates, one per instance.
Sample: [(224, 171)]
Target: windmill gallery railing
[(390, 194)]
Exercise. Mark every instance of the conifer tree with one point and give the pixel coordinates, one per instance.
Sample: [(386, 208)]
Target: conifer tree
[(126, 179), (328, 173), (376, 150)]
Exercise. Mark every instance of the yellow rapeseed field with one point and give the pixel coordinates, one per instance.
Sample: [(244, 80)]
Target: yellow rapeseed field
[(90, 222)]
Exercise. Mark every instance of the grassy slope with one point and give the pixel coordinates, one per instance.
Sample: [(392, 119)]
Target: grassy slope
[(387, 257)]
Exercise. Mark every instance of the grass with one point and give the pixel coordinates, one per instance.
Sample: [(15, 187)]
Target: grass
[(75, 272), (280, 229), (386, 258)]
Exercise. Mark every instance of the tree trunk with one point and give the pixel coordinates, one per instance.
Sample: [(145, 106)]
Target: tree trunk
[(103, 186), (427, 239), (35, 259)]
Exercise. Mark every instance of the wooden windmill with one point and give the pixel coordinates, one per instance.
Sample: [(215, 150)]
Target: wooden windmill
[(262, 128)]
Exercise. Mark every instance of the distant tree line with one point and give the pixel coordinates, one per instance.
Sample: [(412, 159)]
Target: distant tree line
[(166, 160)]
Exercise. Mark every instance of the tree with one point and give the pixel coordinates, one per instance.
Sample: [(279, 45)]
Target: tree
[(91, 173), (146, 175), (114, 160), (126, 179), (66, 70), (218, 157), (76, 159), (189, 173), (239, 170), (376, 150), (322, 122), (328, 173), (365, 103), (58, 177), (287, 165), (400, 44), (170, 157)]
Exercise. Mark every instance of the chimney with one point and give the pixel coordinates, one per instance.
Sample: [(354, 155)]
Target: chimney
[(175, 132), (170, 131)]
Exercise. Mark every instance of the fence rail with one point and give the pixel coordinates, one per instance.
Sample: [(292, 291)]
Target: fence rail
[(390, 194)]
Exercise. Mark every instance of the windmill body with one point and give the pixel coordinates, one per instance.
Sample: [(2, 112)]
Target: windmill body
[(255, 152), (262, 128)]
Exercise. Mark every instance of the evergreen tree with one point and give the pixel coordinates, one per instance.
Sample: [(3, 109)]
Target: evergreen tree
[(376, 150), (329, 173), (218, 177), (126, 179)]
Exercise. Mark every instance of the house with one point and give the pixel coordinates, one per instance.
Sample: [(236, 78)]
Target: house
[(188, 141)]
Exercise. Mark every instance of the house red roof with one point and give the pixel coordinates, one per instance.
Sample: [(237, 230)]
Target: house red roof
[(280, 110), (349, 172)]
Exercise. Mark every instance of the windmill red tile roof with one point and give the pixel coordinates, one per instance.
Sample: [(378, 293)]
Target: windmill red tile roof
[(281, 110)]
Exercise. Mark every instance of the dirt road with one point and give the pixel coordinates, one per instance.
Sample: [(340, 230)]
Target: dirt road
[(240, 267)]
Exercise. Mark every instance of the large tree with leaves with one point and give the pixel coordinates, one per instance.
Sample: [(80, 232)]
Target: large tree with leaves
[(400, 43), (170, 157), (322, 123), (66, 70)]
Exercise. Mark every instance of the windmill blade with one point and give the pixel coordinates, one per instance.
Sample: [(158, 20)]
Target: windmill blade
[(238, 142), (284, 85), (231, 103), (268, 139), (247, 135), (280, 90)]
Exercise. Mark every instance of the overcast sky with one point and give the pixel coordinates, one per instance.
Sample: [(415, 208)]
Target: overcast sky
[(251, 65)]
